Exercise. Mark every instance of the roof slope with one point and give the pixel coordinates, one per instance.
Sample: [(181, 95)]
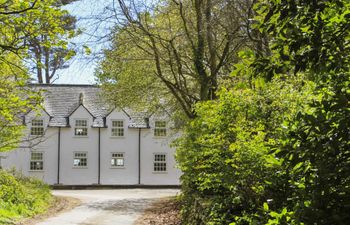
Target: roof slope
[(61, 100)]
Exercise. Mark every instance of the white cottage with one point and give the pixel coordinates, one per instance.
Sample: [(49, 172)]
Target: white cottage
[(77, 139)]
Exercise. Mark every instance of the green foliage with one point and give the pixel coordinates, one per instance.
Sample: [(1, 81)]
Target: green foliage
[(173, 52), (40, 31), (21, 197), (16, 99), (225, 153), (278, 150)]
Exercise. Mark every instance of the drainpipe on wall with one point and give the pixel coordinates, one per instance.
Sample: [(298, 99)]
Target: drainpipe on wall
[(58, 155), (139, 155), (99, 156)]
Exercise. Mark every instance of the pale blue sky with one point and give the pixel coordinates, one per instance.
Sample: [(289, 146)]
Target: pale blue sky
[(90, 13)]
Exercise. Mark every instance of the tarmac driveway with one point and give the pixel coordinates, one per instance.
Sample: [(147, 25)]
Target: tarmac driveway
[(107, 207)]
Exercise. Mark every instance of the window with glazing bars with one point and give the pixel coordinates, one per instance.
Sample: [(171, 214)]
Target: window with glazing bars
[(36, 161), (80, 128), (80, 159), (117, 159), (159, 164), (37, 127), (160, 128), (118, 128)]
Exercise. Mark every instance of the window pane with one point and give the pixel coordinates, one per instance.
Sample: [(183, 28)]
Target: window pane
[(36, 165), (36, 161), (120, 162), (159, 164), (37, 127), (117, 160), (80, 159), (160, 124), (81, 123), (36, 156), (80, 131), (160, 128), (117, 123), (37, 123), (117, 128)]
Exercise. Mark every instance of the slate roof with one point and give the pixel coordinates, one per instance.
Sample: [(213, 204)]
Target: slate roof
[(61, 100)]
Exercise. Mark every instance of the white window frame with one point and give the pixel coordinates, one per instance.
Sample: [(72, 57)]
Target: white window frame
[(36, 160), (160, 131), (115, 130), (37, 127), (115, 156), (76, 157), (156, 163), (81, 127)]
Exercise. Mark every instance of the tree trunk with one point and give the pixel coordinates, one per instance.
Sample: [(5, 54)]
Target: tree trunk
[(47, 59), (38, 66)]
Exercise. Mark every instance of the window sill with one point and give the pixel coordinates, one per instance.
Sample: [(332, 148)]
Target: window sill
[(40, 171), (36, 136), (79, 167), (80, 136), (160, 137), (160, 172), (116, 167), (117, 137)]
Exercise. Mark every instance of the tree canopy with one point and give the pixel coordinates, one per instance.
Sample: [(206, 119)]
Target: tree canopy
[(274, 147), (175, 51), (21, 22)]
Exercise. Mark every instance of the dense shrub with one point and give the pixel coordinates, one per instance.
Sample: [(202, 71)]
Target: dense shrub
[(277, 153), (21, 196), (227, 152)]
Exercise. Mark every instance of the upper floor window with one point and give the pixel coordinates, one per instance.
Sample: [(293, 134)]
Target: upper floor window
[(160, 128), (80, 128), (37, 127), (159, 162), (36, 161), (117, 128), (117, 159), (80, 159)]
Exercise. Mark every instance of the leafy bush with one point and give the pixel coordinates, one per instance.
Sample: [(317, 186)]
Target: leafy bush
[(277, 152), (21, 196), (227, 152)]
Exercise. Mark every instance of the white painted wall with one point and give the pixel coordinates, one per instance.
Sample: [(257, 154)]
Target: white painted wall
[(69, 175), (127, 144)]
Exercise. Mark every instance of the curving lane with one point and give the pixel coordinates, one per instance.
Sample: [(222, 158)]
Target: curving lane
[(107, 207)]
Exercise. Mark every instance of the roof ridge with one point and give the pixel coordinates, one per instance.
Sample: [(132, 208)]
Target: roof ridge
[(64, 85)]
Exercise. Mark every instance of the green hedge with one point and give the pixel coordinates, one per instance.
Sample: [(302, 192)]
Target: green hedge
[(21, 197)]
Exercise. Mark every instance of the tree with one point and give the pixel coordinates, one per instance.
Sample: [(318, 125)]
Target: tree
[(43, 29), (12, 39), (185, 47), (274, 147), (313, 37), (49, 49), (16, 99)]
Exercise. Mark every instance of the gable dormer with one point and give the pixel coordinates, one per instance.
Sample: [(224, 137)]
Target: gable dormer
[(37, 121)]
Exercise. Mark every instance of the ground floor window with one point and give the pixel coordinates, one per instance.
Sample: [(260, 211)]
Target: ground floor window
[(80, 159), (36, 161), (159, 162), (117, 160)]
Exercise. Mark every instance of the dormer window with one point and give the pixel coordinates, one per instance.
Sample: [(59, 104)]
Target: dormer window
[(37, 128), (80, 128), (117, 128), (160, 128)]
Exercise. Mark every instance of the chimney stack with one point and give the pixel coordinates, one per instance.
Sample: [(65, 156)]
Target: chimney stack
[(81, 97)]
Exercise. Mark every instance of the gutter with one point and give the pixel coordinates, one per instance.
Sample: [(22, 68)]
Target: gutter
[(99, 157), (139, 156), (59, 155)]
